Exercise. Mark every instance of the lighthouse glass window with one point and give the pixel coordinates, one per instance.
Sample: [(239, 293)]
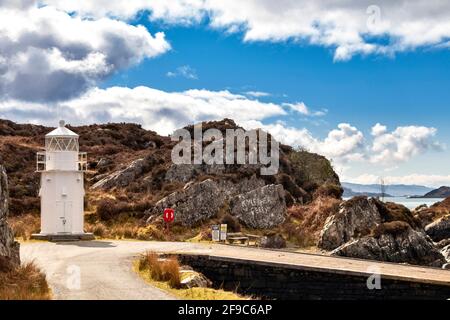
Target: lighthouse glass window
[(61, 144)]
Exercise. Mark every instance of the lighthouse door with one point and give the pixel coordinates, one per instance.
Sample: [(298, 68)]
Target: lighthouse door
[(64, 210)]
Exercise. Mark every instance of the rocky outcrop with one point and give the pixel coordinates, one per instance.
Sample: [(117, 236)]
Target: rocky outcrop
[(440, 229), (446, 253), (9, 248), (262, 208), (442, 192), (409, 246), (187, 172), (181, 172), (355, 218), (192, 279), (198, 201), (273, 241), (121, 178), (367, 228)]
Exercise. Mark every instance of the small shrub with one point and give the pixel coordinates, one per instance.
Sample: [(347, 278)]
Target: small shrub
[(329, 190), (99, 230), (172, 186), (105, 209), (161, 270), (125, 231), (289, 199), (171, 271), (24, 283), (291, 186), (309, 220), (24, 226), (150, 232), (396, 212), (393, 227), (299, 236), (232, 222)]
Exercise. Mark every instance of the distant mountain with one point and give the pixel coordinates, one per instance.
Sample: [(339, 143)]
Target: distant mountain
[(442, 192), (395, 190), (348, 193)]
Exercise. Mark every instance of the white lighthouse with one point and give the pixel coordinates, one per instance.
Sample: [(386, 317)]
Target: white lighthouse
[(62, 167)]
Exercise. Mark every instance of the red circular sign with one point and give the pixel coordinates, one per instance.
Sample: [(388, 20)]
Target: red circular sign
[(169, 215)]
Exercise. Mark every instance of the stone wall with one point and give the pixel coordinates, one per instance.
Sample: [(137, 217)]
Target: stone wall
[(282, 282)]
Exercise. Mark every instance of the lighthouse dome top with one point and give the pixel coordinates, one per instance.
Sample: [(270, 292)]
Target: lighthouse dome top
[(61, 131), (61, 139)]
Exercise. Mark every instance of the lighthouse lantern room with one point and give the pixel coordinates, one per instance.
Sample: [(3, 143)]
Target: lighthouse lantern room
[(62, 168)]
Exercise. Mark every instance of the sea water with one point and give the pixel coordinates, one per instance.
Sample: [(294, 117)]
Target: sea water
[(411, 203)]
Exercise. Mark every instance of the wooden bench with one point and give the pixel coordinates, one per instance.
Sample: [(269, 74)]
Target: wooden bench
[(240, 240), (238, 237), (255, 239), (244, 239)]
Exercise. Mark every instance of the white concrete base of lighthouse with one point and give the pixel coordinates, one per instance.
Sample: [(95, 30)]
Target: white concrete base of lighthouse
[(63, 237)]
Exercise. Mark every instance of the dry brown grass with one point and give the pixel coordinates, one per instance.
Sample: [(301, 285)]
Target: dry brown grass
[(392, 227), (24, 283), (434, 212), (306, 221), (165, 270), (25, 225), (396, 212)]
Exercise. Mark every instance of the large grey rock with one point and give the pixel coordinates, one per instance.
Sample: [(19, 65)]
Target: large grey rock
[(440, 229), (273, 241), (409, 246), (262, 208), (104, 162), (355, 218), (245, 185), (195, 203), (446, 253), (192, 279), (188, 172), (199, 201), (181, 172), (9, 248), (121, 178)]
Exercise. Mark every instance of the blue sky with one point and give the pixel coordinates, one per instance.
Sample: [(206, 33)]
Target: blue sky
[(410, 88), (326, 75)]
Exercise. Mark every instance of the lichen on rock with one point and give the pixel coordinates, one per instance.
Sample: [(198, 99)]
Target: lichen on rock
[(9, 248)]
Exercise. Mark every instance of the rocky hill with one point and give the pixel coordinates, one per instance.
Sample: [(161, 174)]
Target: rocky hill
[(130, 171), (395, 190), (131, 179), (442, 192), (349, 193)]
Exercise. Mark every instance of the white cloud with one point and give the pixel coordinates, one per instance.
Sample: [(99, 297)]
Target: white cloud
[(183, 71), (342, 144), (49, 55), (434, 181), (348, 144), (350, 27), (402, 144), (378, 130), (154, 109), (166, 111), (301, 107), (257, 94)]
